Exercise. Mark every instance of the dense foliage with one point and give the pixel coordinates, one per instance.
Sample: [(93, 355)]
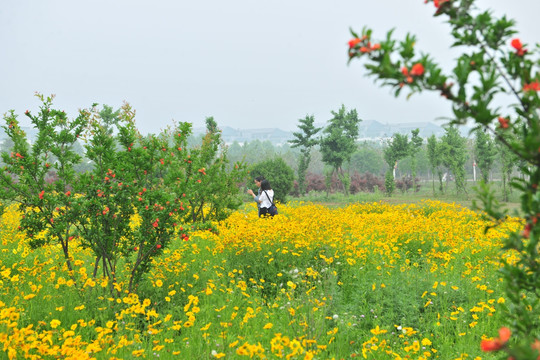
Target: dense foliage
[(493, 63), (133, 200)]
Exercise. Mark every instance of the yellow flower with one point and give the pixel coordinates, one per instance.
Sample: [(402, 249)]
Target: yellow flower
[(268, 326), (138, 353), (55, 323), (206, 327), (378, 331), (159, 283)]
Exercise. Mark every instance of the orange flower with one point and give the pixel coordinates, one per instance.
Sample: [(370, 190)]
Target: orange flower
[(405, 71), (497, 343), (417, 69), (438, 3), (527, 231), (504, 123), (41, 194), (353, 42), (534, 86), (516, 44)]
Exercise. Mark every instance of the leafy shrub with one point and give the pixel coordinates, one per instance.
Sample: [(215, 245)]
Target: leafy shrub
[(406, 183), (366, 182), (279, 174)]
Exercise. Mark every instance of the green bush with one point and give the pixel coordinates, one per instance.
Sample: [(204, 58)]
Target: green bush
[(278, 173)]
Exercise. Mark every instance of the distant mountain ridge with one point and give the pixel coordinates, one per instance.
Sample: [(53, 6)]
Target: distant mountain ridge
[(368, 130)]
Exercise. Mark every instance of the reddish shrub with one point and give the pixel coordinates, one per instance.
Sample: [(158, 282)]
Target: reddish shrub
[(366, 182)]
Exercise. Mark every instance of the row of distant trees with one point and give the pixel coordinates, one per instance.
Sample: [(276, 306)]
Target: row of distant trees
[(331, 159), (333, 152)]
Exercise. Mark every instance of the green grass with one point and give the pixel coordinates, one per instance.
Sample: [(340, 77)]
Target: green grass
[(425, 192)]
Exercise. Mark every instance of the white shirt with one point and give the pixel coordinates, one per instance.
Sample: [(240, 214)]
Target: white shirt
[(265, 202)]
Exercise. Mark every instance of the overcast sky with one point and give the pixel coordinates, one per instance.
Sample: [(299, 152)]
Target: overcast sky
[(247, 63)]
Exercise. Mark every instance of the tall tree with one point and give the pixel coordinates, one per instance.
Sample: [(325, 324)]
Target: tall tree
[(415, 145), (338, 143), (509, 161), (304, 140), (397, 149), (485, 153), (455, 155), (435, 160), (110, 118)]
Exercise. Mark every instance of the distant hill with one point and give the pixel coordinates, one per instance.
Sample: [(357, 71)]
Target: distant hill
[(230, 135), (369, 130)]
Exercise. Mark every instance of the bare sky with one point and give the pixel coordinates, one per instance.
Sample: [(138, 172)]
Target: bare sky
[(250, 64)]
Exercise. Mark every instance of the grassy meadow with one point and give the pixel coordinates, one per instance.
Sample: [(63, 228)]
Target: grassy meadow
[(369, 280)]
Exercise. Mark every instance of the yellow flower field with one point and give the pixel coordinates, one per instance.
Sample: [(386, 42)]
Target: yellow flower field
[(372, 281)]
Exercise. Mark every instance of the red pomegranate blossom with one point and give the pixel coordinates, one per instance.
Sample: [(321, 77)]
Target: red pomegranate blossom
[(534, 86), (503, 122), (354, 42), (417, 69), (516, 44), (497, 343), (438, 3)]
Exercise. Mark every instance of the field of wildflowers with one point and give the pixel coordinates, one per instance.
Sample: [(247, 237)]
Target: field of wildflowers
[(369, 280)]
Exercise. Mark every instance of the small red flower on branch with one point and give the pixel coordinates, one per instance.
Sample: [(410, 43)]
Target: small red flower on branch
[(41, 194), (516, 44), (353, 42), (534, 86), (438, 3), (527, 231), (503, 122), (497, 343), (417, 69)]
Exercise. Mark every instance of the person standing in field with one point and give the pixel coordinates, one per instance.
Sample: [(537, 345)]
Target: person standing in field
[(257, 181), (266, 200)]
